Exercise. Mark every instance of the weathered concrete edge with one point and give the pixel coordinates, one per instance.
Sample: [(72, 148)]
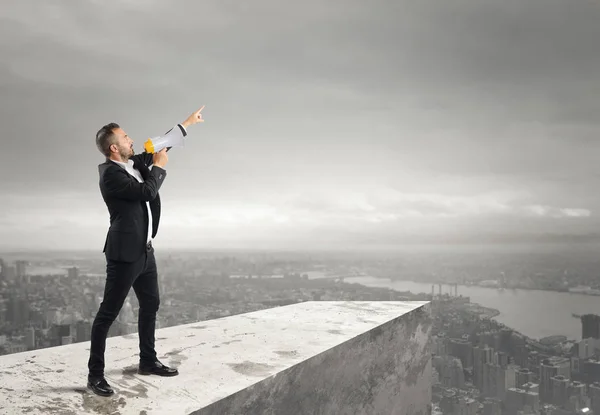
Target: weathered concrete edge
[(414, 319)]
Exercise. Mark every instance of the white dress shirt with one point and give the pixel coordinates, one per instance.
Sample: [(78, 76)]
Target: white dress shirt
[(135, 173)]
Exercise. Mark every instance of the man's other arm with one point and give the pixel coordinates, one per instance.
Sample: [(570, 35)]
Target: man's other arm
[(119, 184)]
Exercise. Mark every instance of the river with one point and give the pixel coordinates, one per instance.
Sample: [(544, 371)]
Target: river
[(534, 313)]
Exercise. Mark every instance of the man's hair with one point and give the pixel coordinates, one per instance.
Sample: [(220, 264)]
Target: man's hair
[(105, 138)]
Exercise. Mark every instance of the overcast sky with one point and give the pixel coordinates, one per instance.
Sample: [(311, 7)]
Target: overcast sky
[(328, 123)]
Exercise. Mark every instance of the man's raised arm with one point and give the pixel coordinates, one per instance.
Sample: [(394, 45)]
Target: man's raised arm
[(194, 118), (179, 129)]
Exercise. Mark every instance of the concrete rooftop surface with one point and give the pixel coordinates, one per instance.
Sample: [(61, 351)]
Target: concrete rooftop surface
[(216, 359)]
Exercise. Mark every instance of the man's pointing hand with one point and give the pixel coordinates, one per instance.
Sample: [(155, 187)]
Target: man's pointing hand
[(195, 118)]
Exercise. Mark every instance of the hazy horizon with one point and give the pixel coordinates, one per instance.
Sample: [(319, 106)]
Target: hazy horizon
[(328, 124), (356, 253)]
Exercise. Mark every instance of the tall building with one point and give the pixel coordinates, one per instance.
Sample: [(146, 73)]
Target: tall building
[(517, 399), (590, 370), (450, 369), (452, 403), (578, 398), (17, 311), (560, 390), (83, 331), (550, 368), (594, 394), (9, 273), (502, 359), (588, 347), (492, 406), (3, 310), (523, 376), (21, 268), (467, 406), (590, 326), (30, 338), (462, 349), (521, 354), (505, 339), (73, 273), (482, 355), (438, 344), (497, 380), (62, 334)]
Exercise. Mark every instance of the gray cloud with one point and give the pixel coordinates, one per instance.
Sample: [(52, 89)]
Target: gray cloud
[(455, 98)]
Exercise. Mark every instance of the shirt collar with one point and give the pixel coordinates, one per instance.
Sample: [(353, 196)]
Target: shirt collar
[(124, 165)]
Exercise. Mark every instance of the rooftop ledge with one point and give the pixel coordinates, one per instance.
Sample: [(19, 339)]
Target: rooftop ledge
[(308, 358)]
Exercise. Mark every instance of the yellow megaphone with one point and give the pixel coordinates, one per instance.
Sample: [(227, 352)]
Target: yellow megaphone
[(173, 138)]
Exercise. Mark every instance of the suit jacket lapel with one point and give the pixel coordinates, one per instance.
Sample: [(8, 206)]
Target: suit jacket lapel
[(142, 168)]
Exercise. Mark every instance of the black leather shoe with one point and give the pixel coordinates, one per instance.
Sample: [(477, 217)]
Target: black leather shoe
[(156, 368), (100, 386)]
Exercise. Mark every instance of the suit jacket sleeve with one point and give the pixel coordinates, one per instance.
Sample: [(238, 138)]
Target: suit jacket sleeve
[(119, 184), (147, 157)]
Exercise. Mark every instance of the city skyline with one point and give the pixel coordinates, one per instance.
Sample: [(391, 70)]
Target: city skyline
[(357, 125)]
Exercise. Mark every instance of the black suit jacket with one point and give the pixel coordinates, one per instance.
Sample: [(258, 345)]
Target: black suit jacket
[(126, 200)]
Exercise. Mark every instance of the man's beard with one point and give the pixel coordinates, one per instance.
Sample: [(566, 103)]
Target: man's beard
[(126, 154)]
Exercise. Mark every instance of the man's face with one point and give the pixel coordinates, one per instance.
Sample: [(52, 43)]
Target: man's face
[(123, 145)]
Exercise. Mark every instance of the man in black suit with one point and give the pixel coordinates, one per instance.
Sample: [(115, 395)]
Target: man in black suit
[(129, 185)]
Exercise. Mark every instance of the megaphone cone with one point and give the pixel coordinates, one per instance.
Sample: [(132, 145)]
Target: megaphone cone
[(173, 139)]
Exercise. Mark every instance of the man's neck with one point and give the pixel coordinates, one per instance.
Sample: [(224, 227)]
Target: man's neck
[(118, 159)]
